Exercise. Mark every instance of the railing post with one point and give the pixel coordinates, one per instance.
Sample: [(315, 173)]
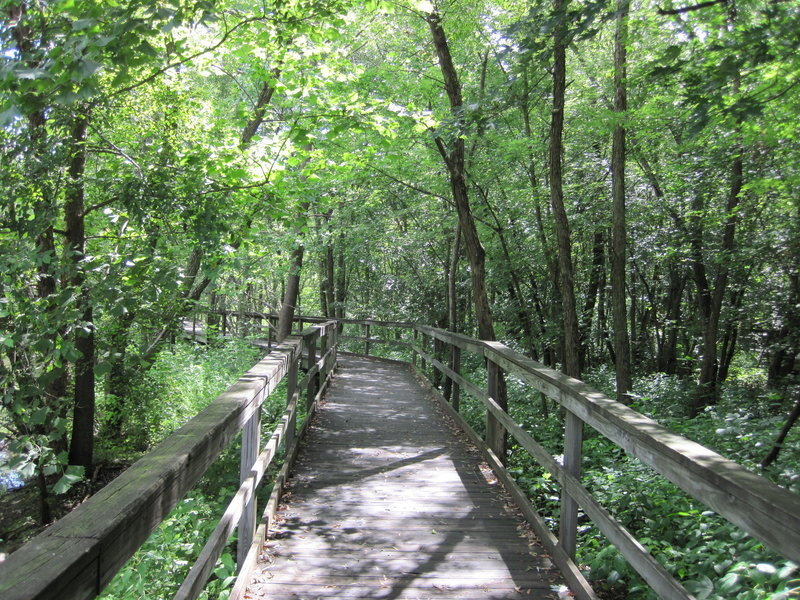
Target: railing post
[(311, 387), (366, 339), (251, 434), (333, 342), (495, 432), (423, 362), (573, 443), (456, 362), (272, 325), (413, 351), (324, 338), (291, 390)]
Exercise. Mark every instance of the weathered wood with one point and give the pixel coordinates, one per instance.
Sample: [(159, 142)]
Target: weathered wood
[(78, 555), (568, 524), (456, 391), (194, 583), (251, 442), (574, 578), (457, 339), (762, 509), (356, 489), (312, 368), (98, 537), (271, 507), (495, 432)]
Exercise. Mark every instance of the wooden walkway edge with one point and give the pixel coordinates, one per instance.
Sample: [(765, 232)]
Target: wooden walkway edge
[(388, 500)]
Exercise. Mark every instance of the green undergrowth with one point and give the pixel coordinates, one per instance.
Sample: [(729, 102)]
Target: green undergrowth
[(191, 377), (712, 558)]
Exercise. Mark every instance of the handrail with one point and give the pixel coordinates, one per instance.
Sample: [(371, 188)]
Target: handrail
[(77, 556), (764, 510)]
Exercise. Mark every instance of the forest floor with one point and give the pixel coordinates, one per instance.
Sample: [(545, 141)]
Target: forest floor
[(20, 508)]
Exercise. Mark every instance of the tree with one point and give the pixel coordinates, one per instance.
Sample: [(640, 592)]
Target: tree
[(619, 236)]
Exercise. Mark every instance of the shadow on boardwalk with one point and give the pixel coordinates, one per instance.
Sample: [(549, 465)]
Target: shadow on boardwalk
[(389, 501)]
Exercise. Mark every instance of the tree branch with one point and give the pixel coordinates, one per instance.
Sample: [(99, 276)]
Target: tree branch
[(686, 9)]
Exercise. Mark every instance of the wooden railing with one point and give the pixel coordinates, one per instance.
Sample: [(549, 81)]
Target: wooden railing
[(78, 556), (764, 510)]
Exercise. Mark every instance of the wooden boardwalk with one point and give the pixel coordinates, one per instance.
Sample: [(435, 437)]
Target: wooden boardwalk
[(388, 500)]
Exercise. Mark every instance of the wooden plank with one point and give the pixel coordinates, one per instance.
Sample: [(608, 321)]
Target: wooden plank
[(103, 533), (577, 582), (456, 339), (194, 583), (568, 524), (761, 508), (364, 498), (251, 442)]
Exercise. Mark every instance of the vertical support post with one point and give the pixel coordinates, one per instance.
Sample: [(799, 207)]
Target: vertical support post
[(324, 339), (456, 398), (311, 384), (573, 443), (251, 433), (495, 432), (414, 352), (291, 392), (273, 327), (423, 362), (366, 339)]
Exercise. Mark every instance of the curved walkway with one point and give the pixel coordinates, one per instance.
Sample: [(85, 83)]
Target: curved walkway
[(388, 500)]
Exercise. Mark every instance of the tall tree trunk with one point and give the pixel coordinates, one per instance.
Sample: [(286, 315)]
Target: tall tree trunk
[(82, 441), (571, 348), (595, 275), (707, 384), (341, 281), (668, 355), (454, 160), (452, 301), (291, 294), (622, 351), (730, 335)]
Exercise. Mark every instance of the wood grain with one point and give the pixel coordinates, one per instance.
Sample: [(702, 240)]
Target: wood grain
[(388, 499)]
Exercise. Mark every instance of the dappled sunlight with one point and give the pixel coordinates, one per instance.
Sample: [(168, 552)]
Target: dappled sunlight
[(387, 502)]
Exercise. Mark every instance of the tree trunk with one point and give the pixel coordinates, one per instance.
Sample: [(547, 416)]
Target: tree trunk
[(291, 294), (668, 356), (82, 440), (622, 351), (341, 281), (454, 160), (707, 384), (452, 302), (571, 347), (595, 275), (776, 447)]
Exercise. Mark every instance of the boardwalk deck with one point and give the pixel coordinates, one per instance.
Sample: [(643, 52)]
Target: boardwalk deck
[(388, 501)]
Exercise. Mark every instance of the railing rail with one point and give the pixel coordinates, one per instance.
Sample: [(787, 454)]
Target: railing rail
[(78, 556)]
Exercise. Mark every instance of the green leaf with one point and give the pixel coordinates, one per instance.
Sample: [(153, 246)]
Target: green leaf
[(72, 476), (701, 588), (9, 115), (40, 416), (82, 24)]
